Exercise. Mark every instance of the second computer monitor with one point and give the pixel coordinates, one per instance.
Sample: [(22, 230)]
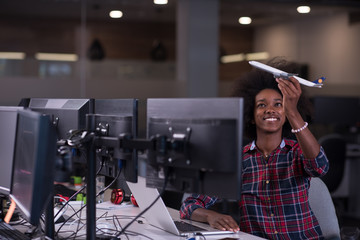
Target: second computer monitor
[(8, 119), (203, 152), (347, 110), (33, 166)]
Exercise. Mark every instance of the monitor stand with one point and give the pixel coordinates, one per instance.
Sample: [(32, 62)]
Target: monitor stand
[(3, 202), (49, 219)]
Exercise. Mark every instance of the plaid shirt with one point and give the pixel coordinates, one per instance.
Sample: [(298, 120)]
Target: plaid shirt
[(274, 202)]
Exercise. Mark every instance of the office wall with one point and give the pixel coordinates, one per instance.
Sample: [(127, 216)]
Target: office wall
[(327, 44), (126, 71)]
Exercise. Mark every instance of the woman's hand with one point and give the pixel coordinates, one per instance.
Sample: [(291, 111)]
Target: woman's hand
[(222, 222), (216, 220), (291, 92)]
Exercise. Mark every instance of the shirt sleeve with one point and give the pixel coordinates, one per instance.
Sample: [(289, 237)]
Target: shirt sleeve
[(318, 166), (195, 201)]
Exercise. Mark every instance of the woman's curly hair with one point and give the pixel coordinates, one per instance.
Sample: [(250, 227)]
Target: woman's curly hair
[(251, 83)]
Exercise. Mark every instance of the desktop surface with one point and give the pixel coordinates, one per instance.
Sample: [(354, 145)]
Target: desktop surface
[(111, 218)]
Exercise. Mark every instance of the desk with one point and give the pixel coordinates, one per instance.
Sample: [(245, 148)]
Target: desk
[(111, 217)]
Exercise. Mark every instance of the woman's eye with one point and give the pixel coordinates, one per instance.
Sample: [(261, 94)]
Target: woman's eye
[(260, 105), (278, 104)]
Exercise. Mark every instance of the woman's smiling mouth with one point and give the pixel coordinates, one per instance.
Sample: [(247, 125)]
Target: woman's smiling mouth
[(271, 119)]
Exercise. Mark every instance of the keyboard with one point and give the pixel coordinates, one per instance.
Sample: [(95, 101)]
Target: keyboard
[(9, 232), (187, 227)]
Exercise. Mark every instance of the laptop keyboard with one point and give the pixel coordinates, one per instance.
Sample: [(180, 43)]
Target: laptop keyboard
[(8, 232), (187, 227)]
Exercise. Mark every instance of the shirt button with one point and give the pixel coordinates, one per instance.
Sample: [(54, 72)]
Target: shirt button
[(272, 215), (266, 165), (269, 199), (267, 181), (276, 232)]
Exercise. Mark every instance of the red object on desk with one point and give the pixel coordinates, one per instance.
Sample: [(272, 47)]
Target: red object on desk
[(118, 196), (62, 198), (133, 201)]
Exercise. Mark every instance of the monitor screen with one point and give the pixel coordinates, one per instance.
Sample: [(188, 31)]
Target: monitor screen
[(33, 166), (203, 152), (337, 111), (66, 114), (118, 116), (8, 118)]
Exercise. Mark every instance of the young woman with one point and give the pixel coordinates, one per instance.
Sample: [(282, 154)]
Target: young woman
[(276, 169)]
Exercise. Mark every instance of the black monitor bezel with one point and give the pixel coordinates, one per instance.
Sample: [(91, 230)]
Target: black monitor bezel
[(43, 168), (7, 169)]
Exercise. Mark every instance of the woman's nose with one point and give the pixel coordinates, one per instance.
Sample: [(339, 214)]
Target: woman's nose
[(269, 110)]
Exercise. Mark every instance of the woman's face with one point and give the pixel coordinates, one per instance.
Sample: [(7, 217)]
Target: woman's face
[(269, 114)]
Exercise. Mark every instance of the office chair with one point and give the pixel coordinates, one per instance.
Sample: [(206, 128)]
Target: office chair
[(323, 207), (335, 150)]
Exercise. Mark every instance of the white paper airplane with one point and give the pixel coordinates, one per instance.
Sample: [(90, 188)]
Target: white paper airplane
[(281, 74)]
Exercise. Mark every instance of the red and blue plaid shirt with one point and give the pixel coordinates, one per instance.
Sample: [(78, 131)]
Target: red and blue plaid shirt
[(274, 201)]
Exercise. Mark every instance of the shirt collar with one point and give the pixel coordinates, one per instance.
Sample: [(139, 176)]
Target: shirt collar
[(253, 145)]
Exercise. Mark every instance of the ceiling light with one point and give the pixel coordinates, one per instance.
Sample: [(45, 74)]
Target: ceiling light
[(160, 1), (12, 55), (257, 56), (303, 9), (56, 57), (116, 14), (233, 58), (245, 20), (244, 57)]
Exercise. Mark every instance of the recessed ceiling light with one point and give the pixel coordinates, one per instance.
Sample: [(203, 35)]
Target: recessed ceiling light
[(160, 1), (233, 58), (116, 14), (70, 57), (257, 56), (12, 55), (244, 57), (303, 9), (245, 20)]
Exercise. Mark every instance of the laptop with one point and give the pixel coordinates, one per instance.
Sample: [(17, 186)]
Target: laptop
[(159, 215)]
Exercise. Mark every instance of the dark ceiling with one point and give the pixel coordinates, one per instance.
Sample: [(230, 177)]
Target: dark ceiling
[(266, 11)]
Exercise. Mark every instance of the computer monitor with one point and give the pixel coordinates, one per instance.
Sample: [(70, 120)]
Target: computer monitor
[(337, 110), (33, 166), (8, 119), (66, 114), (115, 117), (203, 151)]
